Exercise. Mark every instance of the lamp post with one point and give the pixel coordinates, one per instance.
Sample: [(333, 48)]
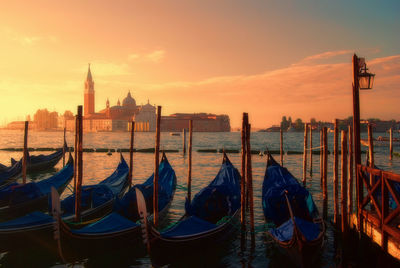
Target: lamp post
[(363, 80)]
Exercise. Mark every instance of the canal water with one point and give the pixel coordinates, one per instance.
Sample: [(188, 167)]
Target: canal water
[(97, 166)]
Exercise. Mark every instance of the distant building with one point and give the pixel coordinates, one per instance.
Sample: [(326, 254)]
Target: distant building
[(114, 118), (20, 125), (202, 122), (117, 117)]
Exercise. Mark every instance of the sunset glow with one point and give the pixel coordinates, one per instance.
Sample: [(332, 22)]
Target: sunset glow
[(266, 58)]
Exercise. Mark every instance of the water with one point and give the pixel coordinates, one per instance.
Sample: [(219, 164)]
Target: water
[(98, 166)]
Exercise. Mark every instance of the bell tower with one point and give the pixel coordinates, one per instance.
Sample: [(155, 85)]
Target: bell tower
[(88, 105)]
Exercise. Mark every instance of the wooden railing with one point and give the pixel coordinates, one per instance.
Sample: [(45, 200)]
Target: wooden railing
[(377, 197)]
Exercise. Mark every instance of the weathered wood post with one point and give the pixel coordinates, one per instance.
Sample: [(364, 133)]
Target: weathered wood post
[(321, 154), (335, 174), (156, 167), (305, 154), (356, 133), (391, 144), (311, 150), (64, 148), (350, 174), (343, 182), (249, 174), (325, 173), (189, 183), (25, 154), (243, 183), (371, 154), (79, 167), (281, 146), (131, 153), (76, 150), (184, 140)]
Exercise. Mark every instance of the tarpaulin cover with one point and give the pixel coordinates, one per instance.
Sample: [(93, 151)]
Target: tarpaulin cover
[(98, 194), (10, 172), (220, 198), (34, 218), (111, 223), (166, 185), (19, 193), (277, 180), (284, 232), (189, 226)]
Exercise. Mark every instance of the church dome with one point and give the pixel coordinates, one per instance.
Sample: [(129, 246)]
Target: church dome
[(129, 101)]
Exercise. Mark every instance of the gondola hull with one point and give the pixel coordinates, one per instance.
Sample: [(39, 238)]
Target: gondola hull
[(288, 205), (167, 250), (301, 253), (42, 235)]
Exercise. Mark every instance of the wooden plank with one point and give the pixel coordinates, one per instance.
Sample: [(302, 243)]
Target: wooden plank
[(325, 173), (25, 154), (335, 174), (243, 181), (131, 153), (281, 145), (156, 168), (249, 179), (79, 178), (189, 181), (350, 173), (311, 150), (305, 154), (343, 181)]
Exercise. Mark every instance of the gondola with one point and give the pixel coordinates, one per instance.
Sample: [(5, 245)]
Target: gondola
[(119, 229), (18, 199), (96, 201), (210, 218), (8, 175), (299, 230), (38, 163)]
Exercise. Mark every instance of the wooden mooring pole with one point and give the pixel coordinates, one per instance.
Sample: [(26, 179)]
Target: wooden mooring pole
[(79, 167), (371, 154), (305, 154), (321, 154), (131, 153), (25, 155), (350, 174), (335, 174), (243, 183), (249, 176), (281, 145), (391, 144), (76, 150), (189, 183), (156, 167), (356, 134), (343, 182), (64, 148), (311, 150), (325, 173), (184, 140)]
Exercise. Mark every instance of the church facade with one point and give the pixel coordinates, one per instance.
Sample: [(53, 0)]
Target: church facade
[(114, 118)]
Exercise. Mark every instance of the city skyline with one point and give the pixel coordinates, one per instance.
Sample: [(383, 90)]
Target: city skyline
[(265, 58)]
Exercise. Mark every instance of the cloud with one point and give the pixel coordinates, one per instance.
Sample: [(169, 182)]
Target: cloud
[(25, 39), (106, 68), (155, 56), (301, 90)]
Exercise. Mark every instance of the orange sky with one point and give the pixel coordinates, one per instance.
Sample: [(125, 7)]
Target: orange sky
[(226, 57)]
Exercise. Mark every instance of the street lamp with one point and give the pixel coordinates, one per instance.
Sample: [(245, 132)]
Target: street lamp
[(365, 79), (362, 79)]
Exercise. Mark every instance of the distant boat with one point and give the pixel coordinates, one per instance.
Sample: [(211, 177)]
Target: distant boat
[(174, 134)]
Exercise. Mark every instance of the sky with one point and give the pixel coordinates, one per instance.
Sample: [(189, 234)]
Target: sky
[(267, 58)]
